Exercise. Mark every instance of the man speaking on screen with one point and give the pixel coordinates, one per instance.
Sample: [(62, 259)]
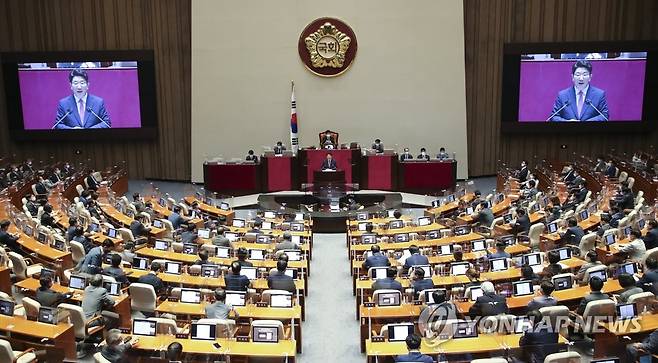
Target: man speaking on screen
[(582, 102), (81, 110)]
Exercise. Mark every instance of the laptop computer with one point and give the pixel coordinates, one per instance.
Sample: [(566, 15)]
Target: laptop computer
[(266, 226), (48, 315), (424, 221), (603, 275), (362, 216), (466, 329), (426, 268), (457, 269), (429, 295), (250, 272), (269, 214), (161, 245), (616, 360), (224, 206), (297, 227), (626, 311), (7, 307), (389, 299), (292, 272), (609, 239), (462, 230), (476, 292), (203, 331), (203, 233), (190, 296), (140, 263), (628, 268), (299, 216), (222, 252), (478, 245), (498, 264), (564, 252), (173, 268), (368, 239), (522, 288), (144, 327), (402, 237), (563, 282), (112, 233), (158, 223), (399, 332), (378, 272), (190, 248), (507, 218), (445, 250), (239, 223), (396, 224), (552, 227), (281, 301), (236, 298), (265, 334), (210, 271), (113, 288), (362, 226), (255, 254), (77, 282), (293, 255)]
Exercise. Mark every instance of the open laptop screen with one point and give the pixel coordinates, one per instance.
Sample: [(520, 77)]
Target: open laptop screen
[(203, 331), (144, 327)]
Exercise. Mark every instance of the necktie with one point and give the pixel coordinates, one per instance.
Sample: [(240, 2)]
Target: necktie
[(81, 111), (581, 101)]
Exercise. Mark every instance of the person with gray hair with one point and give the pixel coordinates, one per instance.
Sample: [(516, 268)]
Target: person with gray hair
[(220, 309), (95, 298), (287, 243), (114, 350), (489, 303)]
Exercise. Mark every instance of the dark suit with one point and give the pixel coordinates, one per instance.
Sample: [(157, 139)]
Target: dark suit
[(592, 296), (569, 176), (415, 260), (115, 353), (611, 171), (329, 164), (138, 229), (537, 345), (523, 174), (488, 305), (387, 283), (414, 357), (94, 105), (279, 149), (406, 156), (651, 238), (376, 260), (280, 281), (420, 285), (485, 217), (153, 280), (648, 279), (253, 158), (522, 224), (10, 241), (48, 297), (40, 188), (596, 98), (573, 235), (236, 282), (423, 157), (378, 147)]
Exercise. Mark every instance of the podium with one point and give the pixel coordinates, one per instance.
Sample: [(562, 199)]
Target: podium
[(279, 172), (329, 177)]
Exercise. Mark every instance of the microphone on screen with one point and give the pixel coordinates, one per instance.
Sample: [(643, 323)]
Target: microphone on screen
[(589, 102), (98, 117), (566, 103), (68, 111)]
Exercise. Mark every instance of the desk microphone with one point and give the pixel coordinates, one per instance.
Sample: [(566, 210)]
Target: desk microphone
[(566, 103), (98, 117), (589, 102), (68, 111)]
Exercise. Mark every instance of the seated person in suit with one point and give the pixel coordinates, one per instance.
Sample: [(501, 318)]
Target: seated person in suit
[(419, 282), (8, 240), (190, 235), (93, 260), (220, 309), (220, 238), (532, 191), (286, 243), (627, 282), (203, 258), (329, 163), (625, 199), (616, 215), (114, 349), (46, 218), (378, 146), (138, 203), (235, 281), (635, 250), (40, 186), (376, 259), (600, 165), (582, 102), (176, 218), (554, 266), (651, 238), (528, 274), (650, 275), (413, 345), (573, 234), (647, 346), (545, 299), (442, 155), (415, 259), (555, 214), (251, 156), (522, 223), (31, 204), (70, 232), (46, 296), (611, 170), (595, 284), (539, 341), (406, 155), (489, 303), (473, 276), (423, 155), (115, 269), (279, 148), (500, 251), (95, 298), (439, 310), (152, 279), (484, 217), (389, 282), (591, 260), (138, 229), (242, 257), (127, 251), (604, 225), (278, 280)]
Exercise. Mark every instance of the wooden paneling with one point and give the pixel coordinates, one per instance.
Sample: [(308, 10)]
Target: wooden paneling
[(161, 25), (490, 23)]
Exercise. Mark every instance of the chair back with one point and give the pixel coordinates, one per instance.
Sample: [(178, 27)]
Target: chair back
[(6, 352), (600, 308), (225, 327), (649, 253), (267, 295), (142, 297), (19, 265), (493, 324), (564, 357), (169, 228), (31, 307), (490, 360), (622, 176), (631, 182), (165, 326), (77, 251), (587, 243), (534, 234), (643, 300), (79, 188), (77, 318), (593, 269), (126, 235), (98, 358)]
